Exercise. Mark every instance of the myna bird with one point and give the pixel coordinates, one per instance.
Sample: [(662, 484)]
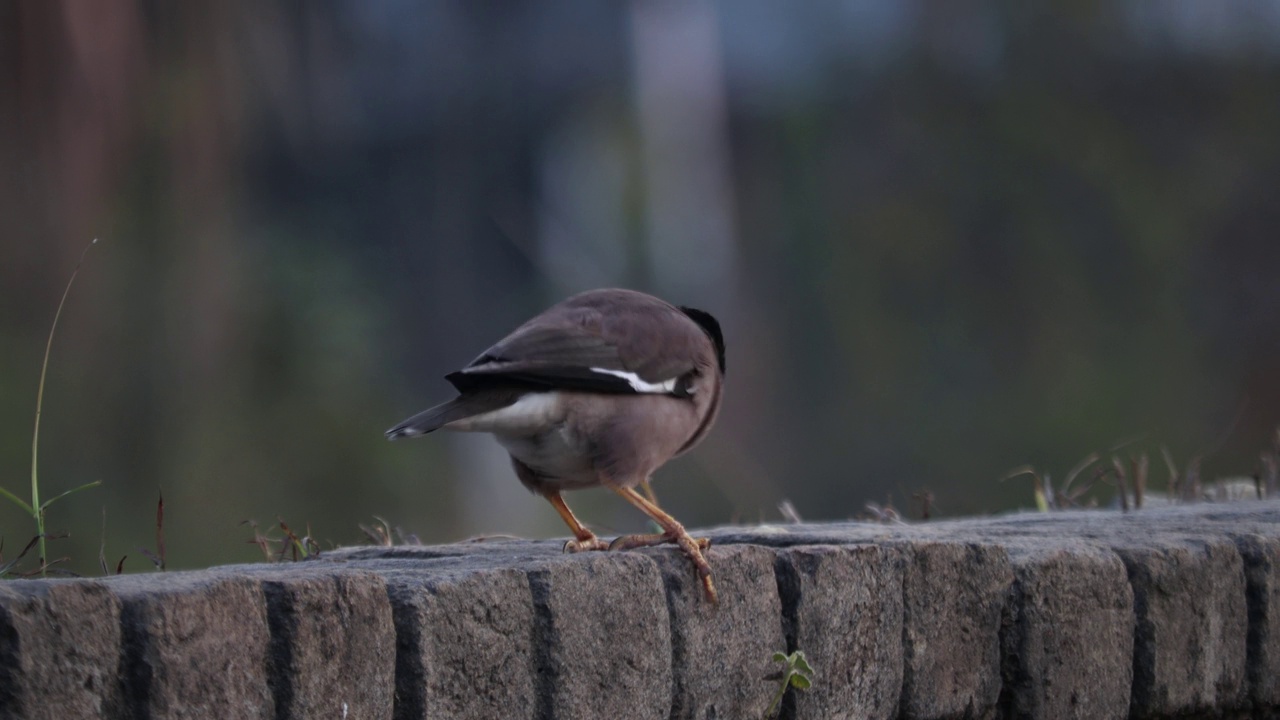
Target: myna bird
[(600, 389)]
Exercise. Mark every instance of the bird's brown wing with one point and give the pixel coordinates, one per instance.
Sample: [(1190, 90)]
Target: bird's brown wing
[(613, 343)]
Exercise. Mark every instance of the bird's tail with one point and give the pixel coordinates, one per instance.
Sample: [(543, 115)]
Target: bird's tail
[(459, 408)]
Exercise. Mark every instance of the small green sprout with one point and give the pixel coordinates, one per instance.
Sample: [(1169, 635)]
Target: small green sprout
[(797, 674)]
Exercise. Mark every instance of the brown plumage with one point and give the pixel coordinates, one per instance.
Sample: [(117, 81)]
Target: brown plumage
[(600, 389)]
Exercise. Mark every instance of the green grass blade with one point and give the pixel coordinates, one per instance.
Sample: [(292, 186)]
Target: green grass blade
[(58, 497), (44, 370), (35, 435), (18, 501)]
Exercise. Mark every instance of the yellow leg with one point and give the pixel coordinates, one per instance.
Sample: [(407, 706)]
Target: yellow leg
[(584, 539), (673, 532), (648, 491)]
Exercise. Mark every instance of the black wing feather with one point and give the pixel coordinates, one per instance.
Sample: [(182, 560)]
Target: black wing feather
[(534, 377)]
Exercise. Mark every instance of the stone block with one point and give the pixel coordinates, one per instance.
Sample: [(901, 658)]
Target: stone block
[(1190, 640), (953, 597), (333, 644), (465, 642), (59, 649), (843, 608), (721, 653), (195, 646), (1261, 557), (1068, 642), (602, 637)]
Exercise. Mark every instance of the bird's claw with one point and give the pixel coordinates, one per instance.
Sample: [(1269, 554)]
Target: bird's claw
[(708, 587), (691, 546), (585, 544)]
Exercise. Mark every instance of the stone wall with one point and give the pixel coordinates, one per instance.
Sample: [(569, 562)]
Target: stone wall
[(1157, 613)]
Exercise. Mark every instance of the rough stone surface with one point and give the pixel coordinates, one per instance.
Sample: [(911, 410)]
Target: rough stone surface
[(721, 653), (486, 549), (1191, 616), (59, 649), (465, 642), (1068, 640), (602, 638), (1163, 613), (1261, 557), (195, 645), (843, 609), (333, 644), (953, 595)]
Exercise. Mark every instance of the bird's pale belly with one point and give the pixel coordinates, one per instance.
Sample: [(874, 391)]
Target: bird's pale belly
[(556, 454)]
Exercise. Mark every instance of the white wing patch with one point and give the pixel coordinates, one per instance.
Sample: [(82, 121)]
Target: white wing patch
[(639, 384)]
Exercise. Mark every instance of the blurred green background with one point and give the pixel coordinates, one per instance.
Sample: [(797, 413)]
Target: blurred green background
[(944, 239)]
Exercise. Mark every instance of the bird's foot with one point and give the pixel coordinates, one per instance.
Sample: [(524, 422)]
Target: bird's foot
[(631, 542), (586, 543), (692, 547)]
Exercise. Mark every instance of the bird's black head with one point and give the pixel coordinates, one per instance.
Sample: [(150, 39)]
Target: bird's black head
[(711, 328)]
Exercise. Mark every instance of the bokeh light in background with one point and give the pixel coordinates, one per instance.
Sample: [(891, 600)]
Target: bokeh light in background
[(945, 239)]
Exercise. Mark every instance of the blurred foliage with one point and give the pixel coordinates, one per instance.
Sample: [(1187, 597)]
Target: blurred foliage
[(945, 240)]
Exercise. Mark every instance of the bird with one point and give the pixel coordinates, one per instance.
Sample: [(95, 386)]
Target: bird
[(600, 389)]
